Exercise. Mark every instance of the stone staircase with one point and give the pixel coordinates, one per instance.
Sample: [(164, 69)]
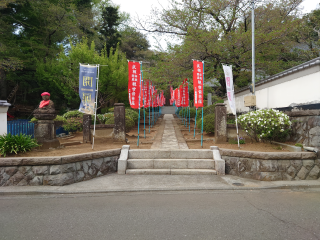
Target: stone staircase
[(170, 162)]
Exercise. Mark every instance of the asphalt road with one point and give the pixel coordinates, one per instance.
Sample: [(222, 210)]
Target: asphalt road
[(173, 215)]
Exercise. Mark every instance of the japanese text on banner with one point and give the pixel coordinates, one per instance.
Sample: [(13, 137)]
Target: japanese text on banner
[(87, 88), (134, 84), (198, 83), (230, 90)]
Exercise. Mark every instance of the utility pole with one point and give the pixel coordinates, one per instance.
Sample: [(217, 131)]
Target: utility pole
[(253, 49)]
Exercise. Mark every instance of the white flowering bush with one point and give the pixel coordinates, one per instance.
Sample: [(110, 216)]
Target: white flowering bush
[(268, 124)]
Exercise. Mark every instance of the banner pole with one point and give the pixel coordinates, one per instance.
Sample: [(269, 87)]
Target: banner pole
[(202, 130), (143, 102), (237, 131), (152, 111), (95, 109), (139, 105), (195, 124), (202, 103), (187, 111), (149, 103)]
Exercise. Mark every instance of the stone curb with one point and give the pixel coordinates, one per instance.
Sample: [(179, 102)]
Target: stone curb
[(240, 188)]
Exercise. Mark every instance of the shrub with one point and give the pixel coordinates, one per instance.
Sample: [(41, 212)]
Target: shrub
[(111, 109), (216, 99), (73, 124), (231, 121), (102, 117), (208, 110), (192, 112), (16, 143), (269, 124), (59, 118), (235, 141), (132, 114), (110, 120), (108, 115), (129, 122), (208, 123), (73, 114), (186, 111)]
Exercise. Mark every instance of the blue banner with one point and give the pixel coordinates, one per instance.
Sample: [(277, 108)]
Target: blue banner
[(87, 88)]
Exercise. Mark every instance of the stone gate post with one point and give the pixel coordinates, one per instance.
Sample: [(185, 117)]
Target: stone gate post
[(86, 128), (4, 105), (119, 131), (220, 132), (209, 97)]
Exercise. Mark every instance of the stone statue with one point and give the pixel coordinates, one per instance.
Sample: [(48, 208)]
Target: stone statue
[(44, 129), (46, 110)]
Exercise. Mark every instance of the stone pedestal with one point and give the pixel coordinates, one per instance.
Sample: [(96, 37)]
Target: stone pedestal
[(220, 123), (119, 131), (86, 128), (209, 97), (4, 105), (45, 134)]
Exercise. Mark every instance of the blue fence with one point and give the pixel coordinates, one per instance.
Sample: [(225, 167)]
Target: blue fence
[(23, 126), (61, 130)]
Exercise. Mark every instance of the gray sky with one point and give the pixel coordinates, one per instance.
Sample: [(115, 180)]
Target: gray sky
[(143, 9)]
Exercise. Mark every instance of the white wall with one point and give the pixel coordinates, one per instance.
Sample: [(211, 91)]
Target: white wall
[(3, 120), (301, 87)]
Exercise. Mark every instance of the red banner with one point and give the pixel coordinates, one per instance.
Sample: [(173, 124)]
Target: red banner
[(146, 92), (162, 99), (198, 83), (185, 94), (134, 84), (178, 96), (154, 97), (172, 93)]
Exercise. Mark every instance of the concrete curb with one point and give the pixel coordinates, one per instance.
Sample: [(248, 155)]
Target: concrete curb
[(142, 190)]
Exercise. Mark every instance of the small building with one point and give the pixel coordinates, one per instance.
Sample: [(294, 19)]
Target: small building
[(296, 87)]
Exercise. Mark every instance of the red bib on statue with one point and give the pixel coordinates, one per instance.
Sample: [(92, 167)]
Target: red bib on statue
[(44, 103)]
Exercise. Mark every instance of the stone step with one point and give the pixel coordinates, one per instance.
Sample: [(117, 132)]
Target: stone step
[(170, 164), (171, 172), (170, 154)]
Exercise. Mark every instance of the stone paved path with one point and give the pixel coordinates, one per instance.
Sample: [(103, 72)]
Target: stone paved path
[(171, 138)]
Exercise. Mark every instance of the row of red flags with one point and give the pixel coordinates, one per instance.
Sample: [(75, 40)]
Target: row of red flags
[(181, 94), (144, 90), (149, 95)]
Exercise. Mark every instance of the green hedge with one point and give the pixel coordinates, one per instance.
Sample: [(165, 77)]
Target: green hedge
[(208, 123), (133, 114), (129, 122), (186, 111)]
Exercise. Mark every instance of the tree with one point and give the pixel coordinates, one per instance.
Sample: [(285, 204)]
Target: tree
[(220, 32), (62, 74), (134, 44), (33, 31), (307, 36), (110, 20)]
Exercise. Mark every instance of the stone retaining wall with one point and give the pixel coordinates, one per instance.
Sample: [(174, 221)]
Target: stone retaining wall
[(306, 127), (272, 166), (57, 171)]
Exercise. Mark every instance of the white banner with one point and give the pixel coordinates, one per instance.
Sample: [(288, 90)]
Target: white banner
[(230, 90)]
